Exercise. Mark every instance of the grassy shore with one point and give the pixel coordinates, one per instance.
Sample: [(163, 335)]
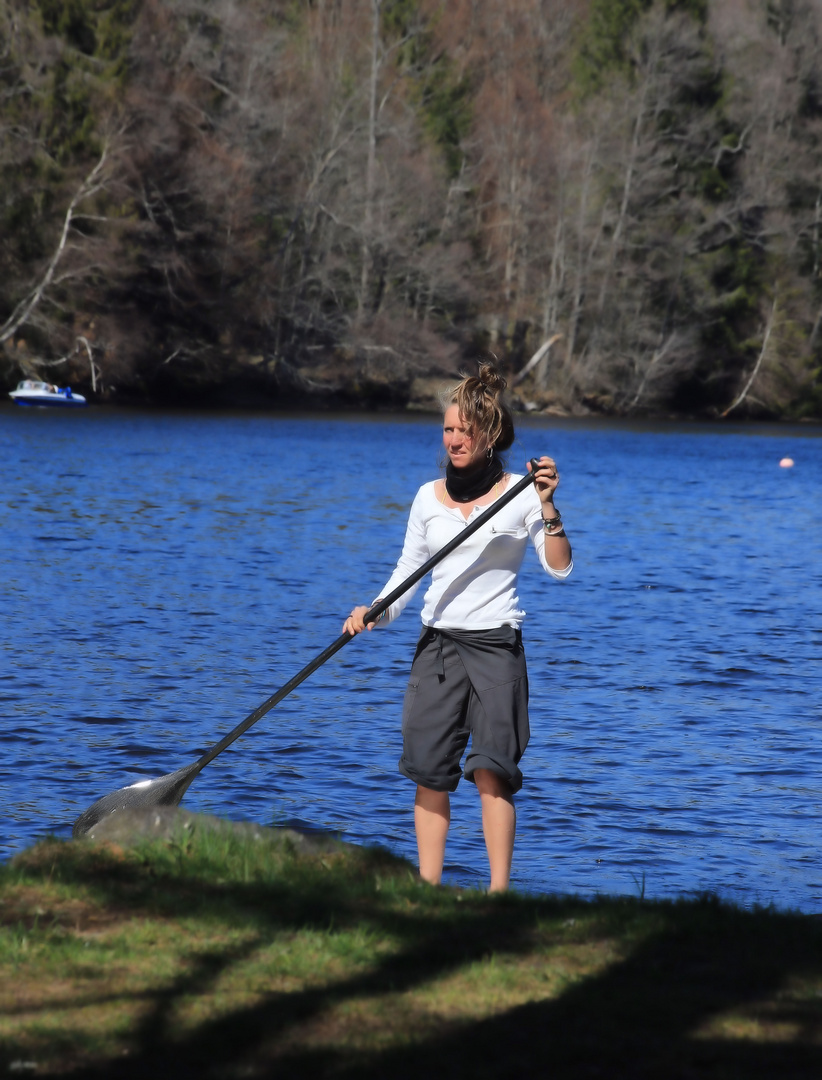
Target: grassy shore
[(220, 956)]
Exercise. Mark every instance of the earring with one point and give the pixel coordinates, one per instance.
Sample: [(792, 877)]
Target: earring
[(489, 453)]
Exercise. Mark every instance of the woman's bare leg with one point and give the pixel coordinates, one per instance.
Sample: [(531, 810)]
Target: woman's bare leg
[(499, 824), (432, 816)]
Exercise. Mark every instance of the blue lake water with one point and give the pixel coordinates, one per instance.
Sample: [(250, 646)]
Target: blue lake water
[(164, 573)]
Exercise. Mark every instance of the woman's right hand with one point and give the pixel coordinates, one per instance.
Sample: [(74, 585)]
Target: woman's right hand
[(354, 623)]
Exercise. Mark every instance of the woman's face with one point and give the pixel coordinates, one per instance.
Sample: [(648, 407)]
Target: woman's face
[(463, 451)]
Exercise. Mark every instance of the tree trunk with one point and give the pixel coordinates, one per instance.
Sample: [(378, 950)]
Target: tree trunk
[(757, 365), (367, 269), (22, 312)]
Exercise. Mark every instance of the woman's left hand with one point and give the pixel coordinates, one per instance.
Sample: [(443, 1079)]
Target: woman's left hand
[(547, 479)]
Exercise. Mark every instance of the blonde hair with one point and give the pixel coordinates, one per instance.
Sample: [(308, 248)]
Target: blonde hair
[(481, 406)]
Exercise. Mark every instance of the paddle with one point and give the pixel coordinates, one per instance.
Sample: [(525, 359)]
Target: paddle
[(168, 790)]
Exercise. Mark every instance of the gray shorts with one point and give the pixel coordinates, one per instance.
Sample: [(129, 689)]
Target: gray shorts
[(465, 684)]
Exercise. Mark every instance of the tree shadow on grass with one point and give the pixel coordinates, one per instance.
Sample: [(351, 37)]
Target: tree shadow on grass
[(663, 1012), (659, 1008)]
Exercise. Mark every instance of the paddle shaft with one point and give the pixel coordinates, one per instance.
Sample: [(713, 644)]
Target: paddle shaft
[(370, 616)]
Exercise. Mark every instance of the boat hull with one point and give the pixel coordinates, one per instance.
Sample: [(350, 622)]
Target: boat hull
[(47, 401), (33, 393)]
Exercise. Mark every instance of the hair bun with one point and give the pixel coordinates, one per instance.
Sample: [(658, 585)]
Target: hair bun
[(491, 378)]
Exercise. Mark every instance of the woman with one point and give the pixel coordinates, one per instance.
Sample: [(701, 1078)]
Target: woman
[(468, 676)]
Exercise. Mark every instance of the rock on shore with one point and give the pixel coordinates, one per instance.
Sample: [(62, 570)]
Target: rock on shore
[(134, 825)]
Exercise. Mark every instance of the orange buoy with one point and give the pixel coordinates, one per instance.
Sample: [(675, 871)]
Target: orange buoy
[(786, 463)]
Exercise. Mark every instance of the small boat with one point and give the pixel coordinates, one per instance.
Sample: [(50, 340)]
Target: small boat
[(33, 392)]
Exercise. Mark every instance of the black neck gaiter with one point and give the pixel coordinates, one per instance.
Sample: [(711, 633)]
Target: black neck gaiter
[(468, 485)]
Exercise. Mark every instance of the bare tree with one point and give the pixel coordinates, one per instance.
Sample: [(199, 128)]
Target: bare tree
[(92, 184), (762, 353)]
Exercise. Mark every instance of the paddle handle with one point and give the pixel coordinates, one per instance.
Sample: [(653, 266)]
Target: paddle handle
[(275, 698), (371, 616)]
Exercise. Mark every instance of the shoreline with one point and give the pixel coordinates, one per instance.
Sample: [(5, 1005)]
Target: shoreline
[(412, 413)]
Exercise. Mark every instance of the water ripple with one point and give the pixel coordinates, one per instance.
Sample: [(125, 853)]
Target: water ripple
[(164, 574)]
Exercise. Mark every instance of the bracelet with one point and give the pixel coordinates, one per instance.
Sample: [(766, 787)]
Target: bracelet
[(382, 614), (551, 523)]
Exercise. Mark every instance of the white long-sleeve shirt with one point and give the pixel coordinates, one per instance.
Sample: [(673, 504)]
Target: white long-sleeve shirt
[(475, 587)]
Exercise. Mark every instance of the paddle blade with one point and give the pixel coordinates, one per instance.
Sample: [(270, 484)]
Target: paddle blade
[(165, 791)]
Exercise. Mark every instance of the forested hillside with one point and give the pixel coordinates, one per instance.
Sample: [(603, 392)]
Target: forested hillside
[(339, 200)]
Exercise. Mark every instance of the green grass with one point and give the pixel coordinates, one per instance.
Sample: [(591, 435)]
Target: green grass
[(221, 956)]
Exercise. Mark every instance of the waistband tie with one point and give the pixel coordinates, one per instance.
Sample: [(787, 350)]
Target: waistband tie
[(500, 636)]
